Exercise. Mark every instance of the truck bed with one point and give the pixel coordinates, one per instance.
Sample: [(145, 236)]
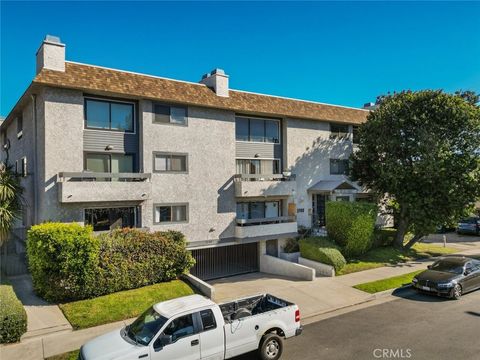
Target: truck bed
[(253, 305)]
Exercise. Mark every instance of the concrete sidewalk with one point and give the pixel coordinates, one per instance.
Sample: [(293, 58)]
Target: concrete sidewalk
[(315, 299), (43, 318)]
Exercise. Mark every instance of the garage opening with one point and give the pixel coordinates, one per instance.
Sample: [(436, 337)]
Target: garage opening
[(223, 261)]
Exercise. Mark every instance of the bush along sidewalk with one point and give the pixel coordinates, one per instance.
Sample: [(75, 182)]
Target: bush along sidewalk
[(322, 250), (13, 318), (68, 262)]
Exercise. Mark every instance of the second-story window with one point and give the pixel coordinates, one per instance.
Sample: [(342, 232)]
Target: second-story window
[(355, 134), (170, 213), (257, 130), (338, 166), (164, 114), (258, 166), (170, 162), (338, 131), (109, 163), (109, 115), (19, 126)]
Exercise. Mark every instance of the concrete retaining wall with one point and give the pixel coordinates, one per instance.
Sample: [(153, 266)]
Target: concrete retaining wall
[(292, 257), (275, 266), (320, 268), (200, 285)]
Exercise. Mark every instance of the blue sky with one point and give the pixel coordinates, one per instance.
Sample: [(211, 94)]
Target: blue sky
[(341, 53)]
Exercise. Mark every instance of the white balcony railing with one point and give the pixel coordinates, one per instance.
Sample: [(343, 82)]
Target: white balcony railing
[(249, 228), (252, 185), (88, 187)]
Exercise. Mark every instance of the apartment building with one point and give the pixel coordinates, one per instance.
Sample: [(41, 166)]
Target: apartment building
[(236, 172)]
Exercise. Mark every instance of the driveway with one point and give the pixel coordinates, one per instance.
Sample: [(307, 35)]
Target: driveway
[(313, 297)]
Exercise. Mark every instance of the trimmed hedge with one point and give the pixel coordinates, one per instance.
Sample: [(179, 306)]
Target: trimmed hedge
[(131, 258), (321, 249), (63, 259), (68, 262), (384, 237), (13, 318), (351, 225)]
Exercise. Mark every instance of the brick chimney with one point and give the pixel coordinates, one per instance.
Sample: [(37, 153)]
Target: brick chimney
[(217, 80), (51, 54)]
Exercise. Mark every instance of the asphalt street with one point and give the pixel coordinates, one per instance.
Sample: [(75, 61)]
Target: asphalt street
[(414, 326)]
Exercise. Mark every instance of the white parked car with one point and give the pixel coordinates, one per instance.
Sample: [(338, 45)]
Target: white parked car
[(194, 327)]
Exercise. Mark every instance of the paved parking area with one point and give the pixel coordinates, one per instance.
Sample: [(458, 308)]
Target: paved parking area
[(313, 297)]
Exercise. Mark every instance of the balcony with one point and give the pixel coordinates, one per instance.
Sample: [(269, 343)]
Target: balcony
[(87, 187), (252, 228), (260, 185)]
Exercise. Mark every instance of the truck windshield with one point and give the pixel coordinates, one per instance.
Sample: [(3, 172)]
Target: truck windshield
[(146, 326)]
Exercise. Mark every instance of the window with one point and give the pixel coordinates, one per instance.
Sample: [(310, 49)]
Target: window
[(109, 163), (355, 134), (165, 114), (338, 167), (258, 210), (338, 131), (256, 166), (180, 327), (171, 213), (109, 115), (257, 130), (208, 320), (21, 167), (169, 162), (19, 126), (342, 198), (105, 219)]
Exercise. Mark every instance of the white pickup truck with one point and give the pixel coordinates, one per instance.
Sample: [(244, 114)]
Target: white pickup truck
[(194, 327)]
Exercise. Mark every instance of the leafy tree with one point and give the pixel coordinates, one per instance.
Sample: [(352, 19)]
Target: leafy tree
[(10, 201), (422, 151)]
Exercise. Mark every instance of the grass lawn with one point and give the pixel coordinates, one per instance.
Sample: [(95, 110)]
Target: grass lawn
[(121, 305), (388, 283), (388, 255), (72, 355)]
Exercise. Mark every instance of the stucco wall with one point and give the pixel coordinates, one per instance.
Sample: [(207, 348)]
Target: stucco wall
[(23, 148), (209, 140), (63, 150), (309, 150)]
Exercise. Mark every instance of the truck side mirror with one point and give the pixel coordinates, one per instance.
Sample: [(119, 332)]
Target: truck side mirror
[(162, 341)]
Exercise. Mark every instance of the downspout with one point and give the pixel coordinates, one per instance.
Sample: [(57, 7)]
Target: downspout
[(35, 163)]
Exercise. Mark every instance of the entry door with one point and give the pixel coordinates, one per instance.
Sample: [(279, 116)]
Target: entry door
[(319, 210)]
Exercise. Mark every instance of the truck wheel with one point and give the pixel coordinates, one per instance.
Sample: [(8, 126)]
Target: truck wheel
[(271, 347)]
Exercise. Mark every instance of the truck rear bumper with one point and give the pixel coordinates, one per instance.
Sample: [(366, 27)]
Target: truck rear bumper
[(298, 331)]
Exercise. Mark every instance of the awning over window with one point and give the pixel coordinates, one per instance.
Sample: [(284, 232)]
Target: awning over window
[(329, 186)]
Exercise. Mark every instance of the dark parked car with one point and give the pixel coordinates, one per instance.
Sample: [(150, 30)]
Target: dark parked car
[(450, 276), (469, 225)]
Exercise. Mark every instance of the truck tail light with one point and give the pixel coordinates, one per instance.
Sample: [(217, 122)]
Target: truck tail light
[(297, 315)]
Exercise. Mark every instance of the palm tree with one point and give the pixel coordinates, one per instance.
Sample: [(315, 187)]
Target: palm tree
[(11, 200)]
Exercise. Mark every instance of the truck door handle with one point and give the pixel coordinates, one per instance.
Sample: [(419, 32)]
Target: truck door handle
[(142, 356), (195, 342)]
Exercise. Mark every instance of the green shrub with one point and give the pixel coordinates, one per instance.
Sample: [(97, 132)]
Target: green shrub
[(291, 246), (131, 258), (384, 237), (321, 249), (68, 262), (13, 318), (63, 260), (351, 225)]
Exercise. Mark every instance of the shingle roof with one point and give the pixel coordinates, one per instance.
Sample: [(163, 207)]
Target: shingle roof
[(93, 78)]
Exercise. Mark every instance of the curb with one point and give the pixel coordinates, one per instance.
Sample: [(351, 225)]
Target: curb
[(385, 293)]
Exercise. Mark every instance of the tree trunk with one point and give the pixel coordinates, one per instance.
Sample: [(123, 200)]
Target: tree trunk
[(413, 241), (401, 231)]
